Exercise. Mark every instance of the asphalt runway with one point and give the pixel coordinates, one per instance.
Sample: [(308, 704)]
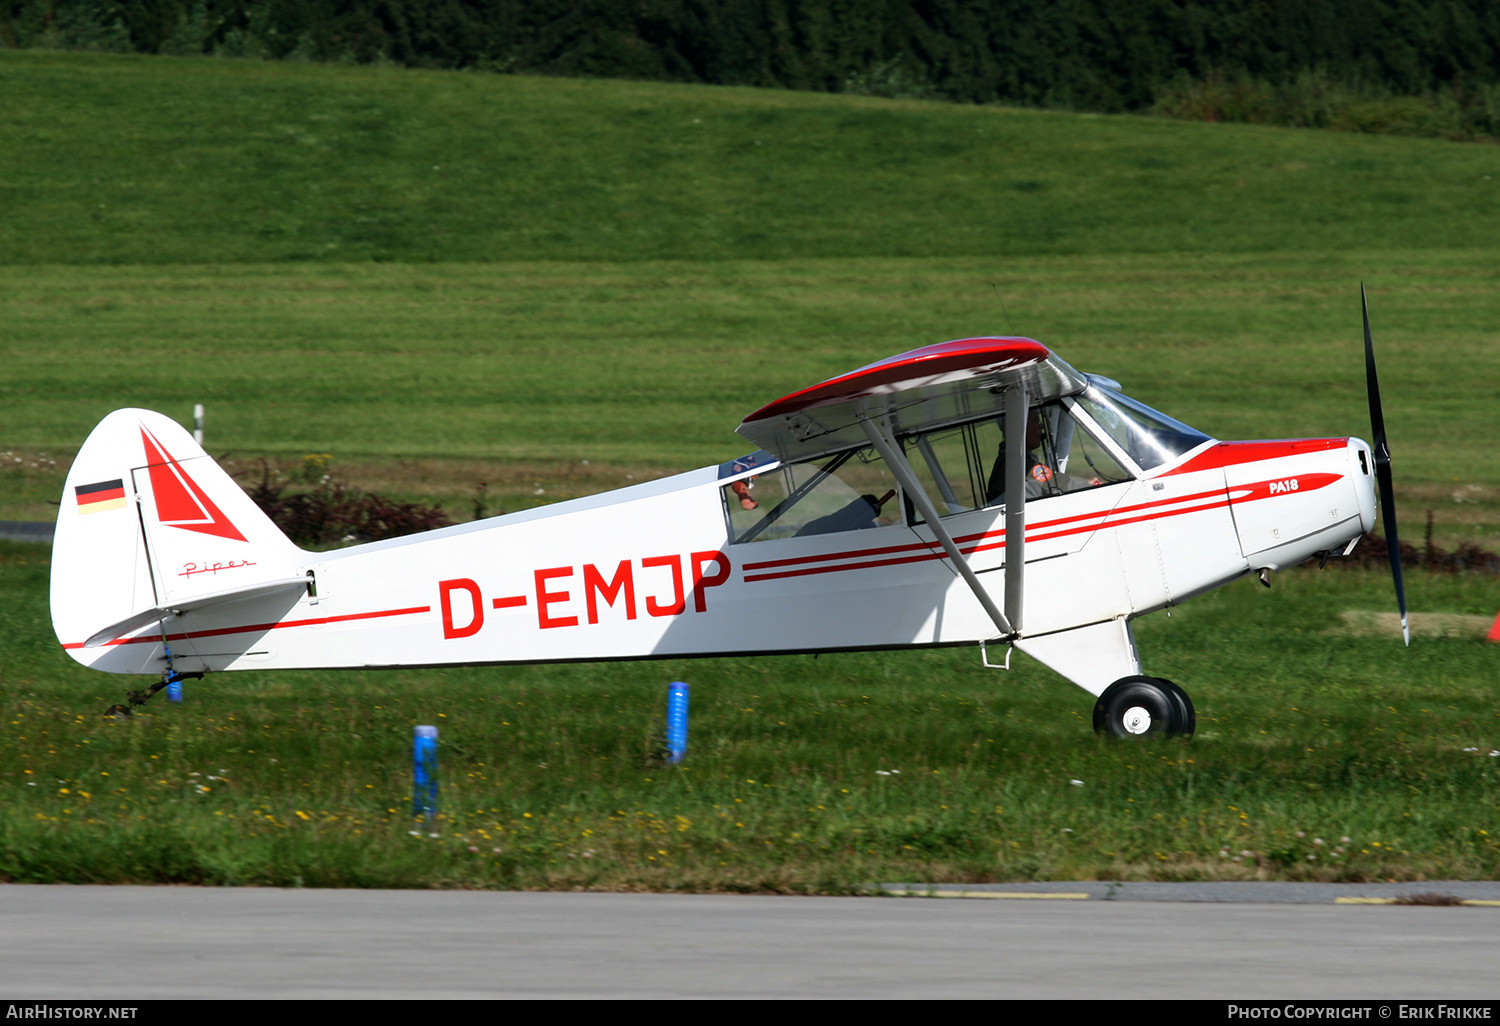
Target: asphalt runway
[(124, 943)]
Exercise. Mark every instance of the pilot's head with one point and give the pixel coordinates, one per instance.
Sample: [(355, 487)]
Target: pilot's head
[(1033, 430)]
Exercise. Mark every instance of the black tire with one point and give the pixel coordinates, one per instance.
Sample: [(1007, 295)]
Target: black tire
[(1144, 707), (1189, 721)]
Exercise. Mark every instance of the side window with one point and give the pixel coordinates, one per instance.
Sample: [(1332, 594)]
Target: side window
[(942, 463), (848, 492), (1061, 457), (963, 468)]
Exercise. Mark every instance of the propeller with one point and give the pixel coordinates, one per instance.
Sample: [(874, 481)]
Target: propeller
[(1383, 467)]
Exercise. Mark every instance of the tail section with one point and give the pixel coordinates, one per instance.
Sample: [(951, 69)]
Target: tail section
[(149, 526)]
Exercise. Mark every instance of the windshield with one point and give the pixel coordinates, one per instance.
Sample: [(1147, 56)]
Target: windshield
[(1150, 438)]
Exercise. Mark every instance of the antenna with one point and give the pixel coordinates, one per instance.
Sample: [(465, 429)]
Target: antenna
[(1002, 307)]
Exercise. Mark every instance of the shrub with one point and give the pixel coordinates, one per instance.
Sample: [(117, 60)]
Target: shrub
[(1314, 99), (332, 514)]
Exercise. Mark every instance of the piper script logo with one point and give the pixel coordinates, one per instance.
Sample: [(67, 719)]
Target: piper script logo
[(179, 501)]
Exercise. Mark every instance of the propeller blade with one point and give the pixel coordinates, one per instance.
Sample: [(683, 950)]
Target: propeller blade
[(1383, 467)]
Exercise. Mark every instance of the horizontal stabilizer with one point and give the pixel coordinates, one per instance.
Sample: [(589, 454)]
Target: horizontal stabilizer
[(150, 616)]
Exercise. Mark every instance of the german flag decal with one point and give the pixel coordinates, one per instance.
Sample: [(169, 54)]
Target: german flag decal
[(101, 495)]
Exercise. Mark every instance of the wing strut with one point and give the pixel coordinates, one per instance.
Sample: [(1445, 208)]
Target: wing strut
[(896, 460), (1016, 428)]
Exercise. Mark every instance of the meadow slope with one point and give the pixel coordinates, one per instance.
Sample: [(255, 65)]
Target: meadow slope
[(551, 286), (136, 160), (404, 269)]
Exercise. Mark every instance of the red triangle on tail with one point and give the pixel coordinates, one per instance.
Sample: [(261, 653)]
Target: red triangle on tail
[(179, 500)]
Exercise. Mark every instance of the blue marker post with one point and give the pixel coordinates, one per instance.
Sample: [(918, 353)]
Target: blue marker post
[(677, 722), (172, 678), (424, 795)]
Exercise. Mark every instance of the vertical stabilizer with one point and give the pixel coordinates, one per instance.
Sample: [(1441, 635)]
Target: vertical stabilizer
[(147, 520)]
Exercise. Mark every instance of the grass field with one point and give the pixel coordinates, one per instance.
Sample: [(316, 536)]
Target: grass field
[(556, 287), (617, 272), (139, 160), (426, 380), (802, 775)]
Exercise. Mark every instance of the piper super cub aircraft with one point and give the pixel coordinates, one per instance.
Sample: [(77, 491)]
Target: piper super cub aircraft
[(980, 491)]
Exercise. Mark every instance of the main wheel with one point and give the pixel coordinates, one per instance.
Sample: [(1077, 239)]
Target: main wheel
[(1141, 706), (1184, 706)]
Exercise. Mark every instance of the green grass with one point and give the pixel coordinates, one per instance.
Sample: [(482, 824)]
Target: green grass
[(136, 160), (546, 774), (495, 278), (555, 287), (515, 373)]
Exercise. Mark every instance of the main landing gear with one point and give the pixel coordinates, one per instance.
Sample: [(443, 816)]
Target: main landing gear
[(1139, 706)]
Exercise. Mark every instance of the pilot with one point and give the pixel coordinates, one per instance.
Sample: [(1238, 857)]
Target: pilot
[(1039, 472), (1042, 478)]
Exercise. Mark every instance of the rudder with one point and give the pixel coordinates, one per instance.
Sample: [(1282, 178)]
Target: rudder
[(148, 519)]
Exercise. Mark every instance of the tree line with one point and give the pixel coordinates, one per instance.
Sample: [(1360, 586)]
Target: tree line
[(1104, 55)]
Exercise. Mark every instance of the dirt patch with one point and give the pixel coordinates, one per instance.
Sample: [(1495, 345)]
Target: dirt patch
[(1367, 624), (1427, 899)]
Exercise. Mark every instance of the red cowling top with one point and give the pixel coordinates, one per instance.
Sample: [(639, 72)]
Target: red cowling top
[(1229, 454)]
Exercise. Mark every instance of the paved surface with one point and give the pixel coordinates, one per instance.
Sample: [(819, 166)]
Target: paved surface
[(143, 942), (26, 530)]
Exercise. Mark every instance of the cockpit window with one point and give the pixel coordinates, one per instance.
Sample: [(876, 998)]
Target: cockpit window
[(963, 468), (1148, 437), (944, 462), (848, 492)]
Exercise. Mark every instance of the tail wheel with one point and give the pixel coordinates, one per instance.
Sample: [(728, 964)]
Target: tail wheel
[(1143, 706)]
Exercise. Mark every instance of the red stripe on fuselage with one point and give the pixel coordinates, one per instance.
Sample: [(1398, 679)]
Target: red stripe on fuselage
[(846, 566), (1288, 485), (851, 554), (995, 538), (151, 639), (1198, 502)]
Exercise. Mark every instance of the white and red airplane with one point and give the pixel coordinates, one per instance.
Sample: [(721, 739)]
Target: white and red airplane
[(974, 492)]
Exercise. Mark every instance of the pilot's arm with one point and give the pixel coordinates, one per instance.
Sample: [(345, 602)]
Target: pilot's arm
[(741, 490)]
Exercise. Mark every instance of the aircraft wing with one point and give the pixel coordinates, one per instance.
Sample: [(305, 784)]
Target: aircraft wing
[(917, 390)]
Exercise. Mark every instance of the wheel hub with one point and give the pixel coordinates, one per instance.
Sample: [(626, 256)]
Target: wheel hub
[(1137, 720)]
